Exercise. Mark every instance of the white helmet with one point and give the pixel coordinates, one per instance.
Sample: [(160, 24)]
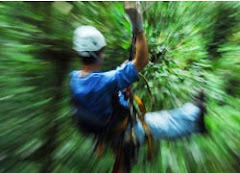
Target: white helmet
[(87, 39)]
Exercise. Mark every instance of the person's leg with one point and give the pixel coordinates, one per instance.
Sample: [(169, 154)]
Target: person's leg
[(175, 123)]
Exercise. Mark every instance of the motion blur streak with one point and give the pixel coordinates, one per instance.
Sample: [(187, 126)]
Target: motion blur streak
[(192, 45)]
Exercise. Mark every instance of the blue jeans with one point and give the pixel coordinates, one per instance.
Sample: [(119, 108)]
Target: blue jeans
[(170, 124)]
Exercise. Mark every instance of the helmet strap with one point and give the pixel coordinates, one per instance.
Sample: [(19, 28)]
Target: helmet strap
[(99, 60)]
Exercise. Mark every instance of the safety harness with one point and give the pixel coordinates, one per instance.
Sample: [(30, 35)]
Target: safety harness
[(126, 147), (120, 136)]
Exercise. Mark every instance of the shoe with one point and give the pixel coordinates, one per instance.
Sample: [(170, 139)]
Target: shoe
[(200, 101)]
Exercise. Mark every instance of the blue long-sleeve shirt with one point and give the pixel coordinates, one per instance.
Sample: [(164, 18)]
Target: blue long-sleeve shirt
[(94, 92)]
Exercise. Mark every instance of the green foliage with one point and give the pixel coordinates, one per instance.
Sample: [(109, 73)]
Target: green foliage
[(192, 45)]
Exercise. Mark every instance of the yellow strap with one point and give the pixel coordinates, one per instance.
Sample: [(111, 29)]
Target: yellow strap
[(149, 136), (121, 126), (140, 104), (145, 126), (100, 149)]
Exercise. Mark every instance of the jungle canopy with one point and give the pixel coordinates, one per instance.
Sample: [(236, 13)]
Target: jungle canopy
[(192, 45)]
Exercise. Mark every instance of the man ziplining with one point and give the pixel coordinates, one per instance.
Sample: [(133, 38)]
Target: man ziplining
[(100, 105)]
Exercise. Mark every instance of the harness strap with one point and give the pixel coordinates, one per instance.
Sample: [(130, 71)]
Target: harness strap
[(121, 126), (145, 126), (99, 148), (119, 157), (140, 104)]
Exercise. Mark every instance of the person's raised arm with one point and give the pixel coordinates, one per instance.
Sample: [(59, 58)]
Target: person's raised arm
[(133, 9), (141, 58)]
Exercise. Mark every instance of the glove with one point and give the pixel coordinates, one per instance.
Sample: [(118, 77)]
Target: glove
[(134, 11)]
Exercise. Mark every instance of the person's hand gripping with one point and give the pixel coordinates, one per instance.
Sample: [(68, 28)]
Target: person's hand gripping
[(134, 11)]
